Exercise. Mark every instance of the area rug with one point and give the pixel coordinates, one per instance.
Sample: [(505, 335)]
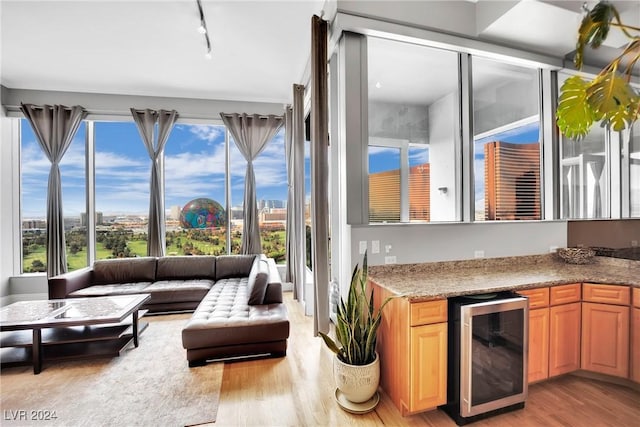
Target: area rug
[(151, 385)]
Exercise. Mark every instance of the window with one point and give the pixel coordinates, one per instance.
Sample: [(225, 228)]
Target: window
[(414, 132), (271, 193), (122, 174), (634, 170), (195, 186), (506, 127), (307, 193), (35, 169)]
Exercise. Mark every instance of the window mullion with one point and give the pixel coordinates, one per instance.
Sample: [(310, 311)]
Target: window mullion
[(90, 191), (404, 182), (227, 189)]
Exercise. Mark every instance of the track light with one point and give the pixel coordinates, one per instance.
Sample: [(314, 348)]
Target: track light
[(202, 29)]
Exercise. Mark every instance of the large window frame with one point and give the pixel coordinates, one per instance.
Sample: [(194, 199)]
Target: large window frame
[(90, 180)]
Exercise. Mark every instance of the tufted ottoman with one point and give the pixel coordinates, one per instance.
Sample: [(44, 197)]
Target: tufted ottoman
[(225, 325)]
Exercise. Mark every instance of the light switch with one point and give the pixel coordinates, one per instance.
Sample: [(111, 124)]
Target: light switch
[(375, 246), (363, 246)]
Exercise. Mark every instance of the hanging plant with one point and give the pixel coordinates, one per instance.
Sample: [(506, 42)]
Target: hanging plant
[(608, 97)]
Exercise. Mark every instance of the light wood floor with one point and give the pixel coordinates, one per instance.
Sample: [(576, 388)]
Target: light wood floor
[(298, 390)]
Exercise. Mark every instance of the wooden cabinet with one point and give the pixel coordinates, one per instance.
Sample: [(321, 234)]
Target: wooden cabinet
[(412, 343), (538, 344), (428, 366), (605, 339), (564, 338), (538, 365), (635, 337)]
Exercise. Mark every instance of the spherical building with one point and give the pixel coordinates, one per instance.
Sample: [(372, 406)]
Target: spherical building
[(203, 213)]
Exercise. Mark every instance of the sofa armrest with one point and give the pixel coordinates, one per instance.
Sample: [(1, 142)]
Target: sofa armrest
[(62, 285)]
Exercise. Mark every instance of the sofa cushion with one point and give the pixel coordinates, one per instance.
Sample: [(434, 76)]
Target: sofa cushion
[(124, 270), (186, 267), (228, 266), (223, 318), (164, 291), (113, 289), (257, 282)]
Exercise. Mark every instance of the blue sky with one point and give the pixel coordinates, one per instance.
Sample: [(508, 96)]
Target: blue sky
[(194, 167)]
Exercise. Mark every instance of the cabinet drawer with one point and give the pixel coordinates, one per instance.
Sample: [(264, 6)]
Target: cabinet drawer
[(636, 298), (424, 313), (538, 297), (565, 294), (607, 294)]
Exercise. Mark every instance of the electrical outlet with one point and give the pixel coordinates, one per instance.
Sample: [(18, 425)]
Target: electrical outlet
[(375, 246), (634, 243), (387, 249), (363, 246), (478, 254), (552, 249), (390, 259)]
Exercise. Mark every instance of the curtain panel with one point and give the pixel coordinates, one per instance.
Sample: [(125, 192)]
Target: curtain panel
[(146, 121), (320, 172), (251, 134), (54, 127), (296, 234)]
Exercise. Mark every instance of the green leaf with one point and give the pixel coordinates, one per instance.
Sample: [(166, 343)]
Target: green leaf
[(607, 93), (330, 343), (574, 115), (593, 30)]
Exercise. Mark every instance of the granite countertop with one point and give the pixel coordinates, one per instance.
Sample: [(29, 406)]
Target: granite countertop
[(428, 281)]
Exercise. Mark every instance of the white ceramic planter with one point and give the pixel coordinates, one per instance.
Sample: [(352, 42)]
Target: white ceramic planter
[(358, 383)]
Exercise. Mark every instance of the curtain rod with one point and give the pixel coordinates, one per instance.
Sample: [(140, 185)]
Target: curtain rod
[(260, 116)]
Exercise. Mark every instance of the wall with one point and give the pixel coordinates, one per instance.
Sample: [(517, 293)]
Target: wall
[(443, 133), (104, 105), (414, 243), (430, 14), (604, 233)]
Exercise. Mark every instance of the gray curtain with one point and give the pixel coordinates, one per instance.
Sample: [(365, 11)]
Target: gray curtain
[(146, 121), (54, 127), (251, 134), (320, 172), (296, 235), (596, 168)]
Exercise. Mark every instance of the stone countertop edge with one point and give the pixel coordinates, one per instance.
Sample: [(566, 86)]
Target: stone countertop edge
[(438, 280)]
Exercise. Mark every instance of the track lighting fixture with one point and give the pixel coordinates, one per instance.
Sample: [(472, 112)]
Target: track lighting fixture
[(202, 29)]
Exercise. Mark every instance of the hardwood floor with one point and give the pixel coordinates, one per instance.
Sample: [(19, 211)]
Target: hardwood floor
[(298, 390)]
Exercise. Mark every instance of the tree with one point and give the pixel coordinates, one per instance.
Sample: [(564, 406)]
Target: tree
[(608, 97)]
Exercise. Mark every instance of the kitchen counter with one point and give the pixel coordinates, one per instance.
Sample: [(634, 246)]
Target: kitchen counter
[(437, 280)]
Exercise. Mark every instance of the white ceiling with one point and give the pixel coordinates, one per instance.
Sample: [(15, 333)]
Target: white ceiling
[(260, 47)]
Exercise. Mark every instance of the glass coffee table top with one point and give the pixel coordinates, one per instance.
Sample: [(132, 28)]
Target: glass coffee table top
[(72, 310)]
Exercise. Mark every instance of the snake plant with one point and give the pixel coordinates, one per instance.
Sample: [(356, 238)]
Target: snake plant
[(357, 322)]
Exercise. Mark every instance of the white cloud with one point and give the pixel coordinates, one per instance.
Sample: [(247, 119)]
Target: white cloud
[(207, 132)]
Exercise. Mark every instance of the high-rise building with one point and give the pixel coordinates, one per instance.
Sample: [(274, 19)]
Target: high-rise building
[(174, 213), (512, 181), (384, 194)]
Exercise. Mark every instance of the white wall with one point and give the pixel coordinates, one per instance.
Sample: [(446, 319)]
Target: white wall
[(104, 105), (443, 135), (430, 14), (415, 243)]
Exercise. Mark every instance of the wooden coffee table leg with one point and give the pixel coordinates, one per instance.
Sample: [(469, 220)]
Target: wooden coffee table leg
[(37, 351), (135, 328)]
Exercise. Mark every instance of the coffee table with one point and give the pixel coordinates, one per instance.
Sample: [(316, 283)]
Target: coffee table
[(69, 328)]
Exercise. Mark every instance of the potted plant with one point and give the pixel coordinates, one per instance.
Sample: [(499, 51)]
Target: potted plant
[(609, 97), (356, 366)]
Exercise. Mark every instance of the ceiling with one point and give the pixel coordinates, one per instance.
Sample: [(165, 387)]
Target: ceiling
[(260, 47)]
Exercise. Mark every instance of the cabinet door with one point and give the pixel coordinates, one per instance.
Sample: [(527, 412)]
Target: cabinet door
[(635, 349), (605, 339), (428, 366), (564, 339), (538, 344)]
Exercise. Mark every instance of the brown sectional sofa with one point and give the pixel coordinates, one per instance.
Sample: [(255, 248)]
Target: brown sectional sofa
[(237, 299)]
